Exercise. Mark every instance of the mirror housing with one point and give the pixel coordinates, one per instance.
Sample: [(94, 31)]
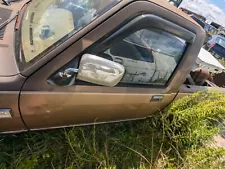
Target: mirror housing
[(100, 71)]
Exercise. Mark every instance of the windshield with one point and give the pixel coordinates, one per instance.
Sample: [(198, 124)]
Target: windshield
[(47, 23)]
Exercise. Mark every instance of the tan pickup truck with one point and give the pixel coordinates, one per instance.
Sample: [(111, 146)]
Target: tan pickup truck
[(78, 62)]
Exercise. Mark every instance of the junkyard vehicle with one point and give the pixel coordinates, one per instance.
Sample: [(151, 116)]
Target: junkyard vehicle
[(203, 25), (211, 30), (216, 45), (78, 62), (199, 21)]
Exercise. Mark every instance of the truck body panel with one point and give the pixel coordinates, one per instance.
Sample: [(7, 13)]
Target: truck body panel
[(38, 104)]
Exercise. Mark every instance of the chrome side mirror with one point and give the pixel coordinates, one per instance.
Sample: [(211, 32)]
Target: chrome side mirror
[(100, 71)]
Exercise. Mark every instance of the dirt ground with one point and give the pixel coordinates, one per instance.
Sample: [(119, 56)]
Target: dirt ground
[(219, 141)]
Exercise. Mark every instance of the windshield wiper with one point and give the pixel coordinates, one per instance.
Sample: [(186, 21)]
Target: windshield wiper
[(7, 2), (9, 20), (14, 16)]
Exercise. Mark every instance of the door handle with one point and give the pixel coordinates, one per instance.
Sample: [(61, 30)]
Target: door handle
[(157, 98)]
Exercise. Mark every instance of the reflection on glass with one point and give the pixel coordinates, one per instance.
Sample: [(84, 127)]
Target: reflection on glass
[(48, 21), (149, 56)]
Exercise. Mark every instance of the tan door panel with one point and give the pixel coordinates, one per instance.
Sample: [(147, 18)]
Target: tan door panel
[(45, 110)]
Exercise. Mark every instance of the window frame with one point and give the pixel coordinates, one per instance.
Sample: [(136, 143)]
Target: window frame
[(62, 55), (135, 25)]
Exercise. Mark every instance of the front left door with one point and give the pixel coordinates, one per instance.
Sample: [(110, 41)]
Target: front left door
[(45, 104)]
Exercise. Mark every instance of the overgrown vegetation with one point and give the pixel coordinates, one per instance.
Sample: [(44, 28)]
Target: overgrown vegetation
[(222, 61), (175, 138)]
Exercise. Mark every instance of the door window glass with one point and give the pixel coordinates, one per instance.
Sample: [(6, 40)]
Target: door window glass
[(149, 56)]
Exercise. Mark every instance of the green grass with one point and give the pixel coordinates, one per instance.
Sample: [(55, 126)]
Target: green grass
[(175, 138)]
